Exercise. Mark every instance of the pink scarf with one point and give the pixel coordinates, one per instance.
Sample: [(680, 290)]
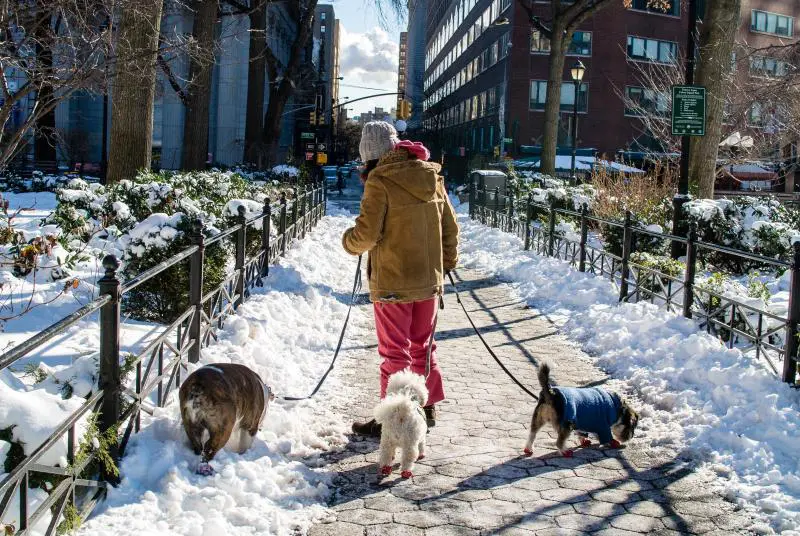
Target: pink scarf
[(415, 148)]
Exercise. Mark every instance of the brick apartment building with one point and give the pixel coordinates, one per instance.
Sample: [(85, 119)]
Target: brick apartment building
[(485, 81)]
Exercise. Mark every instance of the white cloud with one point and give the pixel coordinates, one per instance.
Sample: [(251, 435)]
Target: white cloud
[(368, 59)]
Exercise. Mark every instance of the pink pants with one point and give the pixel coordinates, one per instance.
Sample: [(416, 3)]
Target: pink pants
[(404, 331)]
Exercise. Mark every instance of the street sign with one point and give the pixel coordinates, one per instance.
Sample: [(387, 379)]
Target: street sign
[(321, 147), (508, 140), (306, 135), (309, 156), (310, 147), (322, 159), (688, 111)]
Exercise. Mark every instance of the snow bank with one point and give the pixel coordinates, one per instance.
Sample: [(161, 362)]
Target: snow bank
[(286, 332), (727, 410)]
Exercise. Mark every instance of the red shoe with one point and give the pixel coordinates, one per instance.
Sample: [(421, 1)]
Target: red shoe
[(406, 474), (386, 470)]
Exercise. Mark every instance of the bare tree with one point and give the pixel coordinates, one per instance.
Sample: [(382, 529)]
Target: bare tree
[(565, 19), (256, 77), (131, 145), (32, 85), (717, 34)]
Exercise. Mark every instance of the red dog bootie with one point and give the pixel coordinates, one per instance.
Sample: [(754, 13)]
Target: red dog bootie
[(568, 453), (527, 451), (420, 457), (406, 474), (586, 442), (386, 470), (615, 444)]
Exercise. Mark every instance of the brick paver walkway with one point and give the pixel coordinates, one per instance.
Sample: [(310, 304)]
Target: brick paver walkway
[(474, 479)]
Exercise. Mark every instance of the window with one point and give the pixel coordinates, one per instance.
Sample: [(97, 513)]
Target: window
[(772, 23), (768, 67), (505, 5), (322, 28), (755, 116), (539, 95), (581, 44), (641, 101), (640, 48), (322, 16), (673, 9)]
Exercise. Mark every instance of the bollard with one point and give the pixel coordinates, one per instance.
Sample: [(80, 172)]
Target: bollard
[(584, 238), (110, 381), (196, 289)]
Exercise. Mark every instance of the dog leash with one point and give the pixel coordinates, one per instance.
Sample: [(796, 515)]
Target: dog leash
[(485, 344), (356, 289), (430, 340)]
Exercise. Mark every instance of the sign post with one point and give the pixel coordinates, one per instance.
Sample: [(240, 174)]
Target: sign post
[(688, 111)]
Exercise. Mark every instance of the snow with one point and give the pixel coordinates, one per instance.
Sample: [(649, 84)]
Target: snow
[(286, 332), (284, 169), (723, 408)]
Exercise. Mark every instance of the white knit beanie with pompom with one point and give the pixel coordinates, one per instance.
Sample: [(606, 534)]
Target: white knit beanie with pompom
[(377, 139)]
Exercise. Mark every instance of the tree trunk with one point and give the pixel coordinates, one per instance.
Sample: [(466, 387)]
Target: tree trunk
[(44, 148), (198, 94), (279, 94), (134, 89), (717, 36), (256, 76), (552, 107)]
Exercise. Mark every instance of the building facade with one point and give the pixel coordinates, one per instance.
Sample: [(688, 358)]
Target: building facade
[(486, 72), (402, 67), (415, 60)]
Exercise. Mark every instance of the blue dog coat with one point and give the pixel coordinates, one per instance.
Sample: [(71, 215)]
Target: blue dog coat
[(590, 410)]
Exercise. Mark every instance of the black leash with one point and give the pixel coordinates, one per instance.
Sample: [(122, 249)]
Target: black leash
[(488, 348), (356, 290)]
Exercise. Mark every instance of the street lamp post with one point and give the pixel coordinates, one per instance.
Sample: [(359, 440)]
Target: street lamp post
[(577, 72)]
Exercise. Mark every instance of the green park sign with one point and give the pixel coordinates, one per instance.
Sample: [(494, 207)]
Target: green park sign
[(688, 111)]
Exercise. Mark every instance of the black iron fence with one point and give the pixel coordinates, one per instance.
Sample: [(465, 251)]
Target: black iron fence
[(156, 371), (772, 337)]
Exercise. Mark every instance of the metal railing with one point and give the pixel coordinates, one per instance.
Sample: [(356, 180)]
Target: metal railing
[(771, 336), (118, 404)]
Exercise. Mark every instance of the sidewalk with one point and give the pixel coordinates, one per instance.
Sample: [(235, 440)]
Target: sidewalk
[(474, 479)]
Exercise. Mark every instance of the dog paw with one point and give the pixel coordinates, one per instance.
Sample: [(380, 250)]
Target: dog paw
[(406, 474), (420, 457), (568, 453), (615, 444), (204, 469), (527, 451), (386, 470), (586, 442)]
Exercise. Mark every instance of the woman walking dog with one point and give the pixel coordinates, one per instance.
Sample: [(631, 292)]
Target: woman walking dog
[(408, 226)]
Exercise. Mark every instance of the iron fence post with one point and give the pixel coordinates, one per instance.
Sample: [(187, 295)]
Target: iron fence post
[(295, 202), (282, 224), (551, 228), (513, 199), (324, 186), (627, 241), (584, 238), (196, 289), (528, 217), (690, 272), (792, 343), (110, 380), (266, 227), (496, 206), (241, 241)]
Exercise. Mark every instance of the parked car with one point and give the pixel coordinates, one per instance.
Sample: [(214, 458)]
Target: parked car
[(330, 174)]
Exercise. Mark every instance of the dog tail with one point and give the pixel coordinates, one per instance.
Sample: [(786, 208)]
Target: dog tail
[(544, 382)]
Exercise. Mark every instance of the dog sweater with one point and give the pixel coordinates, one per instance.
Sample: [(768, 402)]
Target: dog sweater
[(590, 410)]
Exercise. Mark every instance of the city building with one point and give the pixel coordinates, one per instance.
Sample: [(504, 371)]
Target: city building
[(415, 60), (379, 114), (401, 69), (486, 71)]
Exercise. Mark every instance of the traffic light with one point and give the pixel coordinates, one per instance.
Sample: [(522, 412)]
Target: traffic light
[(405, 109), (313, 118)]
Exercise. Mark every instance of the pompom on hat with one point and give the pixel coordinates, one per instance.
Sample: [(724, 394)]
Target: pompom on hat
[(377, 139)]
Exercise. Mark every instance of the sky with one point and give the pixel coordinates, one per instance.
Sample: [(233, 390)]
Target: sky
[(368, 54)]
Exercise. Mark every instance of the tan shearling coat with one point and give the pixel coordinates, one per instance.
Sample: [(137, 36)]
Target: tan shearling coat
[(408, 226)]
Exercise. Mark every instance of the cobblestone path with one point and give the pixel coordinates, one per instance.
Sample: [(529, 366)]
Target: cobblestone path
[(475, 481)]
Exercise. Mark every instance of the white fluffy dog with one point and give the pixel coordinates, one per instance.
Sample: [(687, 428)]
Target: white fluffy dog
[(402, 421)]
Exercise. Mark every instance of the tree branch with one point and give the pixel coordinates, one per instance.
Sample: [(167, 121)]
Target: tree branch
[(535, 21), (173, 81)]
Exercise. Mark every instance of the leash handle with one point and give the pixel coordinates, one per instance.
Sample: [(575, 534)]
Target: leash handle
[(356, 290)]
